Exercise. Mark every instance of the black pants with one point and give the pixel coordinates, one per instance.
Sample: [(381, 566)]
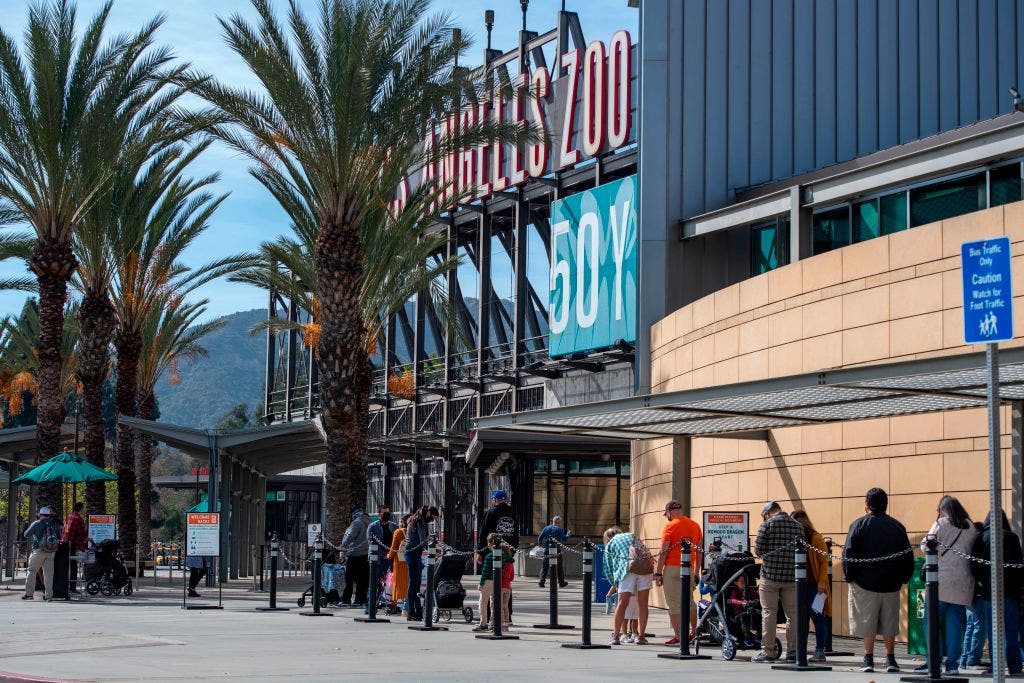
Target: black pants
[(195, 576), (357, 576), (544, 572)]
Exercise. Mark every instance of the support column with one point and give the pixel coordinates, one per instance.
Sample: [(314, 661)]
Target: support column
[(236, 517), (681, 446), (261, 517), (1016, 513), (212, 496), (12, 520), (800, 226), (224, 481), (244, 501)]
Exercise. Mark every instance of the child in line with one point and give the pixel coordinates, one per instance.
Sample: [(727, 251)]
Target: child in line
[(737, 598), (487, 584)]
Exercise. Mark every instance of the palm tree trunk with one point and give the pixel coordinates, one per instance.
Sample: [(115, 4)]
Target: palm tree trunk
[(345, 373), (143, 474), (126, 398), (96, 329), (53, 263)]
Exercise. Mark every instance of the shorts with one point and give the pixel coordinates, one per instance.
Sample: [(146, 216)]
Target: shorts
[(673, 591), (873, 614), (634, 583)]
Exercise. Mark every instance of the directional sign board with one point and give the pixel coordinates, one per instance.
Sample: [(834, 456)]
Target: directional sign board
[(988, 295), (732, 527), (312, 532), (202, 538), (102, 527)]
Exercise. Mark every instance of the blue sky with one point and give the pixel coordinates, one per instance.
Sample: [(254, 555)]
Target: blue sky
[(250, 216)]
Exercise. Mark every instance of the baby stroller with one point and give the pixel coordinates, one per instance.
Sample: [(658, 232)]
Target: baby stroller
[(713, 616), (110, 576), (332, 577), (448, 591)]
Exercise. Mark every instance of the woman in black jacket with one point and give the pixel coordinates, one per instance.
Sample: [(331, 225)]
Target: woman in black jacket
[(1011, 585)]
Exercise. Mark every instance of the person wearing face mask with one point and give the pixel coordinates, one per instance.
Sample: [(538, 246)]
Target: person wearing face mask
[(417, 534), (382, 532)]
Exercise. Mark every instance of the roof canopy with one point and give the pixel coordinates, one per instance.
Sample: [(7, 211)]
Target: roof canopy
[(902, 388), (18, 444)]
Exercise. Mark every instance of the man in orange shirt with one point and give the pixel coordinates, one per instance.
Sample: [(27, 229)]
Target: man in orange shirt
[(666, 574)]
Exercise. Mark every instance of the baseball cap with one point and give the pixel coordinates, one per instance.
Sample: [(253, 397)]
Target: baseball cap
[(499, 494), (673, 505), (45, 511)]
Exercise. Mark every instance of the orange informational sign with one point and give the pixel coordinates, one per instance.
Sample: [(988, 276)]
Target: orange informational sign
[(731, 528), (202, 537), (102, 527)]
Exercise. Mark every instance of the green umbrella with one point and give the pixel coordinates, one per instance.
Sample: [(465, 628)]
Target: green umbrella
[(66, 468), (203, 506)]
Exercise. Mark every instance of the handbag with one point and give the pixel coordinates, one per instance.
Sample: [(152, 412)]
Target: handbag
[(640, 560), (537, 552), (924, 574)]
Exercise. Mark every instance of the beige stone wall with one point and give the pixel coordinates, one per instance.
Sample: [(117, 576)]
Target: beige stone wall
[(892, 298)]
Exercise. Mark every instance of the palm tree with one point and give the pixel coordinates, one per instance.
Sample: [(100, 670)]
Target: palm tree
[(344, 111), (68, 105), (172, 333)]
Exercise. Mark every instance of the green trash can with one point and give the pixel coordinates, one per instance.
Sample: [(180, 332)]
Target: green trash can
[(917, 639)]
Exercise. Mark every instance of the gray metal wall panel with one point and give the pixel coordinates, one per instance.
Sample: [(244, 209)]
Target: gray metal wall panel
[(803, 86), (909, 60), (760, 92), (846, 79), (928, 72), (949, 72), (694, 88), (866, 49), (1006, 39), (967, 65), (988, 62), (825, 83), (716, 114), (782, 88), (739, 97), (888, 75)]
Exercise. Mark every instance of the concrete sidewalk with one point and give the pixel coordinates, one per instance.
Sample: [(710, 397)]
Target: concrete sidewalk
[(149, 637)]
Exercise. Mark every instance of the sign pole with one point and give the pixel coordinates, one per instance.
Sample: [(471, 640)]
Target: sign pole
[(995, 484)]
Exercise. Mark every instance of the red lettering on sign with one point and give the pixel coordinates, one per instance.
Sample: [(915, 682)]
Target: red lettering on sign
[(620, 65), (519, 92), (499, 180), (594, 88), (538, 157)]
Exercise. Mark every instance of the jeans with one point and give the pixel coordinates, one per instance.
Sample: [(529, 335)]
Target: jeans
[(377, 582), (415, 562), (952, 624), (820, 622), (975, 633), (1011, 620)]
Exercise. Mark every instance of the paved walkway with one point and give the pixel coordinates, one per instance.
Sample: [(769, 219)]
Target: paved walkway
[(149, 637)]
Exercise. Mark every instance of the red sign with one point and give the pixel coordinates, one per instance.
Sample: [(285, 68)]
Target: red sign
[(203, 518), (203, 471)]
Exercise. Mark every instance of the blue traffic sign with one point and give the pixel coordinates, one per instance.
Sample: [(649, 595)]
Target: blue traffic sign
[(988, 291)]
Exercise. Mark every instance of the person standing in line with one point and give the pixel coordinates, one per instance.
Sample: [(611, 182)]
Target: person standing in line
[(487, 605), (1012, 584), (357, 565), (678, 528), (77, 538), (875, 584), (399, 569), (978, 622), (623, 554), (552, 532), (45, 536), (499, 519), (955, 532), (776, 542), (196, 571), (817, 564), (381, 531), (417, 534)]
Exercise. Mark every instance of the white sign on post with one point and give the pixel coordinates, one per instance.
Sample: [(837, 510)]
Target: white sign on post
[(102, 527), (202, 537), (312, 531), (732, 527)]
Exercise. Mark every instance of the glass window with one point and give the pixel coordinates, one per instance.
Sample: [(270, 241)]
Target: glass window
[(769, 246), (831, 230), (1004, 185), (865, 220), (893, 212), (945, 200)]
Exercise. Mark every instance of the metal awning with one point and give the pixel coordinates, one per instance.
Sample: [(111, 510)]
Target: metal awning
[(18, 444), (858, 393), (270, 450)]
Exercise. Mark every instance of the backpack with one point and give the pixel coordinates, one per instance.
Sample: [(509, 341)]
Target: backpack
[(50, 540), (640, 560)]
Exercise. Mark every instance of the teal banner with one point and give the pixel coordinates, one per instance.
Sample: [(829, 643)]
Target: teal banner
[(593, 269)]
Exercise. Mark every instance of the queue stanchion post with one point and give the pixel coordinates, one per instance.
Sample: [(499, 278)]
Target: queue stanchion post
[(802, 616), (830, 650), (497, 613), (685, 602), (554, 555), (931, 573), (428, 597), (262, 568), (371, 601), (588, 596), (318, 551), (275, 552)]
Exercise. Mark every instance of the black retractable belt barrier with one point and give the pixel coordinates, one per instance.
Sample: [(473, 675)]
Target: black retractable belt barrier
[(496, 612), (802, 617), (588, 595), (830, 651), (684, 602), (931, 572), (371, 605), (275, 551), (554, 555), (428, 598), (318, 550)]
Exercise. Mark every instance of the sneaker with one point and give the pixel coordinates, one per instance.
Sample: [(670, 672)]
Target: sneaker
[(956, 672), (482, 627), (869, 664), (891, 665), (540, 583), (640, 640), (921, 668), (791, 658), (672, 641), (564, 585), (817, 657), (193, 593), (762, 657), (28, 597), (751, 643), (615, 641)]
